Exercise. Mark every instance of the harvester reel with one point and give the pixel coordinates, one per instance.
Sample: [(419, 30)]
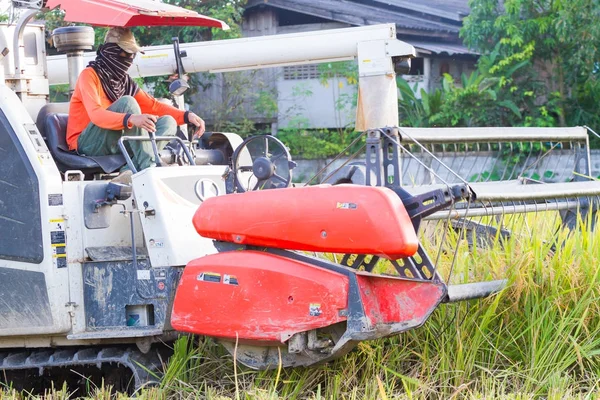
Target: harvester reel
[(262, 162)]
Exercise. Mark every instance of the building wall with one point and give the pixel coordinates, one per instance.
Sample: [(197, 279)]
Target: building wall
[(235, 97), (420, 81), (453, 66), (260, 23), (301, 100), (434, 68), (239, 96), (306, 102)]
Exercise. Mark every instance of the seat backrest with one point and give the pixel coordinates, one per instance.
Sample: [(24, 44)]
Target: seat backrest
[(56, 132), (50, 108), (55, 129)]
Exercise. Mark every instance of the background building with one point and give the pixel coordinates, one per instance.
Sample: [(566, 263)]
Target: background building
[(299, 96)]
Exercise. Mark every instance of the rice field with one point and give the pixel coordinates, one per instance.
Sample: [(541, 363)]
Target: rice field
[(540, 337)]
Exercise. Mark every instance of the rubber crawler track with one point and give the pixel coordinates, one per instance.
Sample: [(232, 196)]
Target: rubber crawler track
[(140, 364)]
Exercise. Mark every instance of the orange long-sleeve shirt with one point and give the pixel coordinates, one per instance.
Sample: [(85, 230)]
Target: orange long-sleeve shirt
[(89, 104)]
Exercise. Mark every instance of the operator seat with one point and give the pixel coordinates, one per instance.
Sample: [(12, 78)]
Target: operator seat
[(52, 124)]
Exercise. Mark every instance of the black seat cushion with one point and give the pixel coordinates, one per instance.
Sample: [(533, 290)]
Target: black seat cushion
[(55, 129)]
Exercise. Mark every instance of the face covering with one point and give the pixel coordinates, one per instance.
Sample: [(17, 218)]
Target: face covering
[(112, 71)]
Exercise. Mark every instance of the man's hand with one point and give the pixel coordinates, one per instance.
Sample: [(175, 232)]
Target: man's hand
[(144, 121), (199, 123)]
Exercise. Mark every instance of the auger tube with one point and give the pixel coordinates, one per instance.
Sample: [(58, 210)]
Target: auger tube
[(477, 290)]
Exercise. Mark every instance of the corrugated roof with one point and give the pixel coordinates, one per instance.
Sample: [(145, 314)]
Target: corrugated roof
[(354, 13), (450, 9), (442, 48)]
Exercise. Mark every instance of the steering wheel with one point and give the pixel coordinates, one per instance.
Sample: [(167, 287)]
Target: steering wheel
[(262, 162)]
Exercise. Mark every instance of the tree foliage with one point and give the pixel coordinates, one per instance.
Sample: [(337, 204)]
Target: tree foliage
[(229, 11), (539, 66), (483, 98), (559, 40)]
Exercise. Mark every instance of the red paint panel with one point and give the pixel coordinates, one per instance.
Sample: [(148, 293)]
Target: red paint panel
[(266, 297), (131, 13), (392, 300), (339, 219)]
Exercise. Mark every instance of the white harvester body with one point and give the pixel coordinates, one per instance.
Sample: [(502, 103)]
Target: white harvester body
[(69, 231)]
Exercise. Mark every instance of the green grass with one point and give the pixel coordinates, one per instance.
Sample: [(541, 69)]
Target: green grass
[(539, 338)]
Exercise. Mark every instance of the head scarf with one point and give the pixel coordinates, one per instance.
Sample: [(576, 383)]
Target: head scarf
[(112, 71)]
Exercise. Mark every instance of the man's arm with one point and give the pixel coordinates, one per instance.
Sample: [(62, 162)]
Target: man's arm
[(149, 105)]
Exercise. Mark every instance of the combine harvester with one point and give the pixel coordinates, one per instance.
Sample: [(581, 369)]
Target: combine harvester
[(96, 275)]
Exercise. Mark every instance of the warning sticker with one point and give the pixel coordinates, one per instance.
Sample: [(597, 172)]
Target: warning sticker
[(209, 277), (57, 237), (61, 262), (230, 280), (165, 55), (347, 206), (57, 224), (314, 310), (55, 199), (143, 274), (156, 243), (59, 255), (156, 60), (58, 240)]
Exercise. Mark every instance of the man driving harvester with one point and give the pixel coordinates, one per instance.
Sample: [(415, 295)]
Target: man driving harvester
[(108, 104)]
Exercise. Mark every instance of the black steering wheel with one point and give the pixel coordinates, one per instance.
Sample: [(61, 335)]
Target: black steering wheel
[(262, 162)]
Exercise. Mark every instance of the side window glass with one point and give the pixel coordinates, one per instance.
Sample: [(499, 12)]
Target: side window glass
[(20, 215)]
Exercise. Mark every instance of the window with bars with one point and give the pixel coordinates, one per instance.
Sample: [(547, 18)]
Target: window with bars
[(298, 72)]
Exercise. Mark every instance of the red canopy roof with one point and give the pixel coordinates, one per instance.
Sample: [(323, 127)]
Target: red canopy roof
[(131, 13)]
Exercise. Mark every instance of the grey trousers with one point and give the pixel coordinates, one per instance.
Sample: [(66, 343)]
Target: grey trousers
[(96, 141)]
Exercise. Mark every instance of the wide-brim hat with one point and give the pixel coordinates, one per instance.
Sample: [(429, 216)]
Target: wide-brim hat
[(124, 38)]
